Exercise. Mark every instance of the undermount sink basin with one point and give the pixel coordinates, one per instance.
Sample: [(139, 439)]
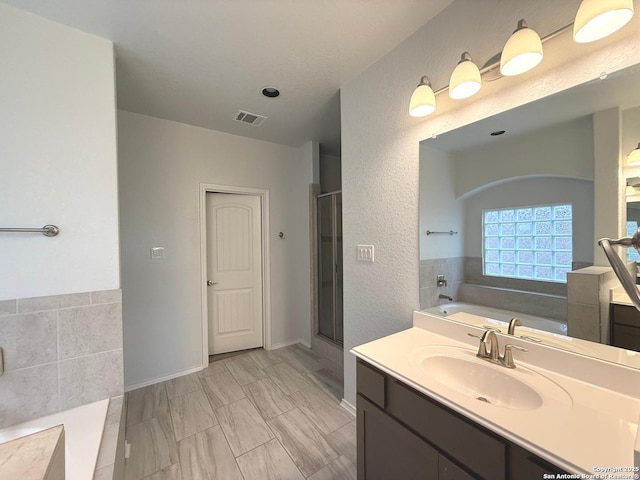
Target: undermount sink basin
[(460, 370)]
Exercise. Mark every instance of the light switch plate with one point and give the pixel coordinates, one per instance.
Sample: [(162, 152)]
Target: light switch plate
[(364, 253), (157, 253)]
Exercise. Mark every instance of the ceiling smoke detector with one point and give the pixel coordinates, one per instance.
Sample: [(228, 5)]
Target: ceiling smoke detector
[(249, 118)]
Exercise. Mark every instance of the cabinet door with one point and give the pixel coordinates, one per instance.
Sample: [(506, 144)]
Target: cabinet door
[(450, 471), (387, 450)]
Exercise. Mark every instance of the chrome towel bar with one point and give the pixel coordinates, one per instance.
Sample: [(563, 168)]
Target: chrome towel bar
[(47, 230), (450, 232)]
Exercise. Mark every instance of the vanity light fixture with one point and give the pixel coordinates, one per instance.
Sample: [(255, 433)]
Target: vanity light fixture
[(597, 19), (423, 100), (465, 80), (594, 20), (522, 52), (634, 157)]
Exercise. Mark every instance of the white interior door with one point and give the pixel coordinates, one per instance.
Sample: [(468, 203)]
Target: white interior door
[(234, 268)]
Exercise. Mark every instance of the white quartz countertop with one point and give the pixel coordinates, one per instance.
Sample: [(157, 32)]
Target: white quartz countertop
[(594, 429)]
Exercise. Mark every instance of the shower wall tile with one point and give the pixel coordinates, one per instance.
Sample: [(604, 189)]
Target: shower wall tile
[(106, 296), (28, 393), (28, 339), (53, 302), (60, 351), (584, 322), (90, 329), (8, 307), (90, 378)]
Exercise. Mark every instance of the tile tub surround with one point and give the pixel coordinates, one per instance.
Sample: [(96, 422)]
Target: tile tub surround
[(60, 352), (453, 269), (269, 415)]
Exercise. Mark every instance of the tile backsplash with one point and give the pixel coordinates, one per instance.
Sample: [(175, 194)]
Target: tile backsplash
[(60, 352)]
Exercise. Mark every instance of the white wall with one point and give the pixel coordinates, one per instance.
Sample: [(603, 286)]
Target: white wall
[(57, 158), (162, 164), (440, 210), (564, 150), (379, 137)]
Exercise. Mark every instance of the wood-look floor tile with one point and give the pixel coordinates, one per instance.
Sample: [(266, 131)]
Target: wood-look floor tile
[(301, 358), (243, 426), (153, 447), (182, 385), (268, 398), (264, 358), (268, 462), (214, 367), (244, 369), (329, 381), (306, 446), (170, 473), (321, 409), (287, 378), (206, 456), (146, 403), (339, 469), (343, 441), (191, 413), (221, 388)]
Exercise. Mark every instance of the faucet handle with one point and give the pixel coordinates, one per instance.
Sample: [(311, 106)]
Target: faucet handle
[(482, 349), (507, 358)]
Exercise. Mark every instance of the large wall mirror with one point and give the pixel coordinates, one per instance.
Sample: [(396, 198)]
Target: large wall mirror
[(513, 205)]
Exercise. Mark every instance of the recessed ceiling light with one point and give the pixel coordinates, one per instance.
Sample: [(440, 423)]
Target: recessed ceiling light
[(497, 132), (271, 92)]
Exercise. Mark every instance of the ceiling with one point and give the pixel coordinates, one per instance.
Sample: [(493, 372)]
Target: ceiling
[(200, 61)]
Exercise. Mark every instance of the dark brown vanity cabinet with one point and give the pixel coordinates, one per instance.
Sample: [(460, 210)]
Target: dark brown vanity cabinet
[(625, 326), (403, 434)]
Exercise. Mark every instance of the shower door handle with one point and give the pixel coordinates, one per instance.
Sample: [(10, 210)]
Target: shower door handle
[(210, 283)]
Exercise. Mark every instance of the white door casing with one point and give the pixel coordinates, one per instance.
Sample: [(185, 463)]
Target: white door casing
[(234, 269)]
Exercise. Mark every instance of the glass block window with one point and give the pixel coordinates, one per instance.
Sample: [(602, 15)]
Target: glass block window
[(632, 253), (533, 243)]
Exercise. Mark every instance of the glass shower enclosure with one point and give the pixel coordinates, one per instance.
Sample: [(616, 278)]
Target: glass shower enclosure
[(329, 208)]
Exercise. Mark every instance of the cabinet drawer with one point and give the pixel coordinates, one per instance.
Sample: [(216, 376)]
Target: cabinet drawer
[(371, 383), (478, 450), (524, 465), (626, 337), (447, 470), (626, 315)]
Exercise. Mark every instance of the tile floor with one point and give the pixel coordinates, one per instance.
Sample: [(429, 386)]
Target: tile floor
[(259, 415)]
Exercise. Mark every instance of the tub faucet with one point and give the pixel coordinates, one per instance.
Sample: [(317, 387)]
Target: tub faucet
[(446, 297), (513, 323)]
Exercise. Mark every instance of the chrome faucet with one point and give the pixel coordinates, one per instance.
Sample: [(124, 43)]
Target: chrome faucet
[(493, 354), (513, 323), (446, 297)]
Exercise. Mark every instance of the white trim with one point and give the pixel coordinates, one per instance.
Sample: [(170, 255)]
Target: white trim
[(305, 343), (286, 343), (348, 407), (266, 261), (153, 381)]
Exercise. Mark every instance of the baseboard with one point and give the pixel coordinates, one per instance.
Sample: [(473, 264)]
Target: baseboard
[(146, 383), (348, 407), (286, 343)]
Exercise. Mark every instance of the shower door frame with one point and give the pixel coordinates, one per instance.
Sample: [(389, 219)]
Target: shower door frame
[(334, 253)]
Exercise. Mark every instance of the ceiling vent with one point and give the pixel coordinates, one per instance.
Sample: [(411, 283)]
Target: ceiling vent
[(250, 118)]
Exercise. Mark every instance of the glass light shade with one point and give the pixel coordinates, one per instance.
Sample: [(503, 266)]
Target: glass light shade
[(629, 190), (634, 157), (465, 79), (423, 100), (522, 52), (597, 19)]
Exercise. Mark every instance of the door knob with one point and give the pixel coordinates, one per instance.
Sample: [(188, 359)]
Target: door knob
[(209, 283)]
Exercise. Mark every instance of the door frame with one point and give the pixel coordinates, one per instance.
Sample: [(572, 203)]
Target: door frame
[(266, 283)]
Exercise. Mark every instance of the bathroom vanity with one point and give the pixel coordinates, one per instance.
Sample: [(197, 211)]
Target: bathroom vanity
[(427, 407)]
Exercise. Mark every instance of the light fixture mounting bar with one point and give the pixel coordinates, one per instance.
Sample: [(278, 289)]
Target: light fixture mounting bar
[(494, 62)]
